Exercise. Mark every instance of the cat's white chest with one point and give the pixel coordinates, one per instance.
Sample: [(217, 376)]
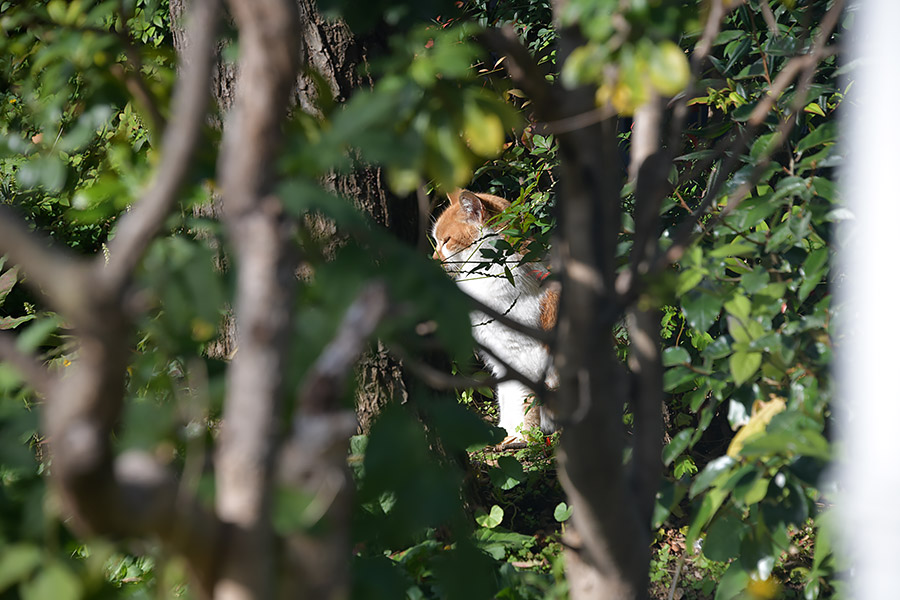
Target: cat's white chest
[(520, 302)]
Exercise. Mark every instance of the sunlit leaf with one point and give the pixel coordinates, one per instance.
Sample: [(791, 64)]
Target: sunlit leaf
[(762, 414), (491, 519)]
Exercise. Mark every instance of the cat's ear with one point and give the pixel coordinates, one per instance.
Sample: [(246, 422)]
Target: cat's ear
[(454, 196), (472, 207)]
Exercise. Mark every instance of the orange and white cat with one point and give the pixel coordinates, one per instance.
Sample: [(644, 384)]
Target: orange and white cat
[(460, 233)]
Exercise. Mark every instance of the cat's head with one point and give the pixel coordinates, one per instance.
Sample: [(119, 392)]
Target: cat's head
[(463, 224)]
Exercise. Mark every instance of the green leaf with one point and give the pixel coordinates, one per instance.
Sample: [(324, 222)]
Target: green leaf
[(508, 473), (728, 35), (825, 188), (669, 69), (7, 281), (562, 512), (688, 280), (743, 365), (733, 582), (824, 533), (814, 108), (764, 145), (711, 502), (823, 134), (676, 377), (17, 561), (676, 355), (752, 492), (701, 310), (36, 333), (803, 442), (13, 322), (720, 348), (54, 581), (713, 470), (755, 280), (678, 445), (491, 519), (744, 330), (812, 271), (739, 307), (684, 464), (47, 172), (738, 247), (483, 130), (723, 540)]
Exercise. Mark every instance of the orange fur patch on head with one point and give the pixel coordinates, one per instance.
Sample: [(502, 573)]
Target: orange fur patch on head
[(458, 226)]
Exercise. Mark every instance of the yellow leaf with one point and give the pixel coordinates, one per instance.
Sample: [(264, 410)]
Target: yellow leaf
[(762, 414), (669, 68), (403, 181), (483, 131), (815, 109)]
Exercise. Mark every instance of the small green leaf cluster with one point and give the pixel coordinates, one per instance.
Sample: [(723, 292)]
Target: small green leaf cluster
[(428, 118), (756, 309), (74, 146), (630, 55)]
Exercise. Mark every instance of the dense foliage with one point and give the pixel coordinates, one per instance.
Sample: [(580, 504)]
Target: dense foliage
[(747, 314)]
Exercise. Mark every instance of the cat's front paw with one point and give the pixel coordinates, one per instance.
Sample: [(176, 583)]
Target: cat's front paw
[(512, 442)]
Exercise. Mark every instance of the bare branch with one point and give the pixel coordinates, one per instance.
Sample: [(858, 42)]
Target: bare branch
[(136, 83), (325, 381), (646, 398), (314, 458), (150, 504), (440, 380), (538, 334), (645, 133), (579, 121), (423, 203), (48, 269), (29, 367), (261, 236), (538, 387), (710, 31), (804, 66), (139, 226), (521, 67), (769, 17)]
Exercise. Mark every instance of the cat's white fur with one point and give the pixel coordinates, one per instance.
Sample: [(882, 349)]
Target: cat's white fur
[(520, 301)]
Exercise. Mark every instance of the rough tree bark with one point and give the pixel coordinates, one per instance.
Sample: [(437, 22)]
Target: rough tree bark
[(329, 49), (264, 302), (132, 495), (608, 547), (232, 550)]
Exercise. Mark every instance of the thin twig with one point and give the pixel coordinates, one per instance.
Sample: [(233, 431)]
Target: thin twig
[(522, 68), (579, 121), (769, 17), (627, 285), (137, 85), (807, 65), (675, 577), (140, 225), (323, 386), (440, 380), (28, 365), (48, 268), (539, 388), (537, 334)]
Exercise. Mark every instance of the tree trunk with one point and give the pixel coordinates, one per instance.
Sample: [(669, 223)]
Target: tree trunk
[(330, 50)]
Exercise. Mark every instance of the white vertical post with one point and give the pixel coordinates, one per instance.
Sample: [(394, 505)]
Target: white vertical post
[(869, 341)]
